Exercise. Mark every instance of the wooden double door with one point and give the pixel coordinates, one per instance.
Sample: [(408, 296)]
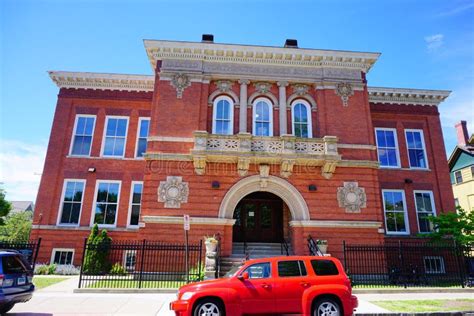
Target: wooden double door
[(259, 218)]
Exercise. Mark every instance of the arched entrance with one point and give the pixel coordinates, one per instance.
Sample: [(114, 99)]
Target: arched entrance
[(259, 218)]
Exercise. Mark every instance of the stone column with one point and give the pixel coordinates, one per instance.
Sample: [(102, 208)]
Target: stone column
[(282, 99), (243, 106)]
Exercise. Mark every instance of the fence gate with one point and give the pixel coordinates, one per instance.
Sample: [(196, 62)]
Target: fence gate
[(28, 249)]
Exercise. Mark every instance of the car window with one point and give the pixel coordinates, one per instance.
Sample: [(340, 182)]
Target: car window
[(259, 271), (232, 271), (324, 267), (291, 268), (12, 265)]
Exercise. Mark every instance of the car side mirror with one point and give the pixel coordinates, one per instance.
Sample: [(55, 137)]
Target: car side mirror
[(243, 276)]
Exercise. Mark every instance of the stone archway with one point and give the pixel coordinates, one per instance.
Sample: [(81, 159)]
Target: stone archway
[(282, 188)]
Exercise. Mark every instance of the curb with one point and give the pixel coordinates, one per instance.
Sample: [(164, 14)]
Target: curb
[(126, 291), (413, 290)]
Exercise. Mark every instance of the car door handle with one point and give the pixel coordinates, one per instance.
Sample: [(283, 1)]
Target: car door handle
[(305, 284), (266, 286)]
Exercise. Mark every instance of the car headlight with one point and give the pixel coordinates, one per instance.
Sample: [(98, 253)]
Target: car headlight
[(186, 295)]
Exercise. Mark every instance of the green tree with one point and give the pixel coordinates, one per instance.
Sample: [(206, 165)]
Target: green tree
[(98, 247), (5, 207), (456, 225), (17, 227)]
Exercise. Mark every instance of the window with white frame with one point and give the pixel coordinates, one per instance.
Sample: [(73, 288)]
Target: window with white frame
[(416, 148), (396, 221), (62, 256), (135, 203), (142, 138), (83, 133), (301, 119), (115, 136), (106, 203), (262, 117), (458, 176), (223, 116), (387, 147), (130, 260), (434, 265), (71, 202), (424, 209)]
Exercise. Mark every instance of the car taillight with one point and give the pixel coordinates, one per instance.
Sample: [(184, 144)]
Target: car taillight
[(1, 279)]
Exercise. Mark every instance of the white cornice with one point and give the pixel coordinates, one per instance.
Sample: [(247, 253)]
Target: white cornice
[(102, 81), (192, 220), (407, 96), (336, 224), (259, 55)]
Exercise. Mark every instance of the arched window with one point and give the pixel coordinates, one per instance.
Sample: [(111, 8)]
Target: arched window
[(301, 119), (223, 116), (262, 117)]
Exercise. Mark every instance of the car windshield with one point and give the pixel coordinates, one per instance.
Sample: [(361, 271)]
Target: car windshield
[(232, 271)]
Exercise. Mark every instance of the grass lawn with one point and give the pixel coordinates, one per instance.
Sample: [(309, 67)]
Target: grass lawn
[(417, 306), (45, 281), (131, 284)]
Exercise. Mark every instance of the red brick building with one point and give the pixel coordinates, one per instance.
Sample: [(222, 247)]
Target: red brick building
[(255, 143)]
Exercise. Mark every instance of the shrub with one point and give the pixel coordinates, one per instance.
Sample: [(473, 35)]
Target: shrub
[(45, 269), (195, 274), (67, 269), (98, 248), (118, 269)]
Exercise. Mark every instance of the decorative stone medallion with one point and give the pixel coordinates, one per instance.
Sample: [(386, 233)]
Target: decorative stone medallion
[(173, 192), (224, 85), (300, 89), (351, 197), (344, 90), (262, 87), (180, 82)]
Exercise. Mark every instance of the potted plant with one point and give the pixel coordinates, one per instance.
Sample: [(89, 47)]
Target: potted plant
[(211, 243), (322, 245)]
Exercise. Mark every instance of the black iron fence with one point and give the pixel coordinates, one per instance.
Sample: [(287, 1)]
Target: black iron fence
[(409, 264), (28, 249), (142, 264)]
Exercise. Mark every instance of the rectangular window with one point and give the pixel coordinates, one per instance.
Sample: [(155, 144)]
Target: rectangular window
[(458, 176), (291, 268), (434, 265), (259, 271), (115, 136), (456, 203), (62, 256), (416, 148), (396, 221), (424, 209), (324, 267), (143, 130), (129, 260), (472, 172), (135, 203), (387, 147), (106, 204), (82, 137), (71, 202)]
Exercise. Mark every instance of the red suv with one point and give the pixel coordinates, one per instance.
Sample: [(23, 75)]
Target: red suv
[(306, 285)]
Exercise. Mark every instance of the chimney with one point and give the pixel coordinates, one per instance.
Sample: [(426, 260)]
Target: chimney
[(461, 131), (207, 38), (291, 43)]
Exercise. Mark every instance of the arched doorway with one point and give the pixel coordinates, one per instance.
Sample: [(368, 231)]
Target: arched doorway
[(259, 218)]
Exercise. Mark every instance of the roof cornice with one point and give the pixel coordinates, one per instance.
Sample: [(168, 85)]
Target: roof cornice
[(407, 96), (102, 81), (261, 55)]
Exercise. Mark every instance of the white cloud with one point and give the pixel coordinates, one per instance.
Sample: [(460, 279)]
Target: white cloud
[(457, 9), (434, 42), (21, 165)]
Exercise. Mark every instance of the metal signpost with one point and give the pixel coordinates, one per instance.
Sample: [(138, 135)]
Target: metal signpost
[(187, 226)]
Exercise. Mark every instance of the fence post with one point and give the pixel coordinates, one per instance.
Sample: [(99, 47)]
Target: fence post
[(344, 254), (142, 264), (82, 261), (200, 258), (38, 244), (400, 257)]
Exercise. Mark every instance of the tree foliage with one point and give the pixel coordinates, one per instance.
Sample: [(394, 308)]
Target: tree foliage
[(5, 207), (96, 259), (456, 225), (17, 228)]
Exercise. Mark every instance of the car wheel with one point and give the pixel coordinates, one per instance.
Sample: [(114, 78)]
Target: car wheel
[(6, 308), (326, 307), (209, 307)]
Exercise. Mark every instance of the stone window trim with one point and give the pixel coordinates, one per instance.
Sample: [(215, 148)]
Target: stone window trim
[(65, 250), (433, 206), (407, 223), (71, 146), (214, 113), (61, 202), (422, 136), (254, 110), (308, 112), (94, 204), (130, 204), (397, 147), (104, 136), (140, 120)]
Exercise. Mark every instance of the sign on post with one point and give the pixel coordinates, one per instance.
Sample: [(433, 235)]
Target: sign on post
[(187, 225)]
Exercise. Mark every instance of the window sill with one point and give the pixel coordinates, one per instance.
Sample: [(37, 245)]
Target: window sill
[(107, 157), (81, 228), (404, 169)]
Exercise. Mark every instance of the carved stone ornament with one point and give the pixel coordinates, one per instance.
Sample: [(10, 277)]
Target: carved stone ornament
[(224, 85), (180, 82), (173, 192), (262, 87), (287, 167), (344, 90), (243, 166), (199, 163), (351, 197), (264, 173), (300, 89)]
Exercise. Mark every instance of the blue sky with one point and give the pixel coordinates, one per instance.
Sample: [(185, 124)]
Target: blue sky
[(424, 44)]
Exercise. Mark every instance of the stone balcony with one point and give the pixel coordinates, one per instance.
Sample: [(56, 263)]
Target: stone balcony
[(285, 150)]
